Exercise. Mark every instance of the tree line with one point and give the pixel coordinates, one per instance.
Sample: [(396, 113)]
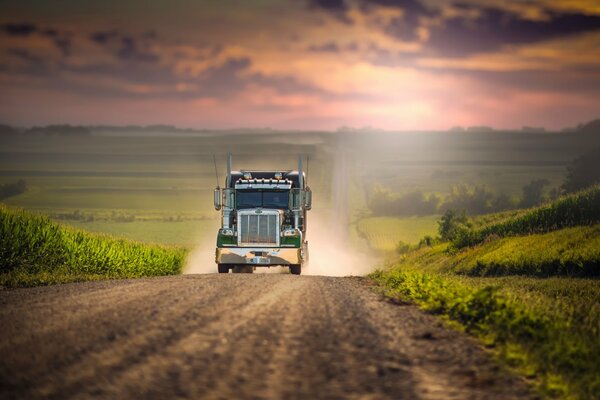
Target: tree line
[(479, 199)]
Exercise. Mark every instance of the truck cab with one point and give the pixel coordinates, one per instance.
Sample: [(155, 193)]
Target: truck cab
[(263, 220)]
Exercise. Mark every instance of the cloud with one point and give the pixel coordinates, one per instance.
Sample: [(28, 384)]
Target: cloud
[(495, 27), (127, 46), (336, 8), (103, 37), (329, 5), (60, 39), (129, 50), (414, 7), (458, 28), (19, 29), (329, 47), (381, 62)]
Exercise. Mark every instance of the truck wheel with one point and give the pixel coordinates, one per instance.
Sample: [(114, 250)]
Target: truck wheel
[(243, 269), (296, 269), (223, 268)]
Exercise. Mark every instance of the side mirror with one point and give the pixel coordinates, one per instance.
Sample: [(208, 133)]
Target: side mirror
[(308, 199), (217, 199)]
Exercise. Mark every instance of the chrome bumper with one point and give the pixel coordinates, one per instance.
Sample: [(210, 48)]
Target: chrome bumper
[(258, 256)]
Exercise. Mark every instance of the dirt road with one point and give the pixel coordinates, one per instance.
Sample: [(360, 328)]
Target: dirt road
[(234, 337)]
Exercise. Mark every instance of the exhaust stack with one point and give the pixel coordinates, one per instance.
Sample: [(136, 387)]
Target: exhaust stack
[(229, 160), (300, 173)]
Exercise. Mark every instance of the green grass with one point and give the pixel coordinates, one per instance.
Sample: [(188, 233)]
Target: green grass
[(547, 328), (570, 252), (384, 233), (35, 250)]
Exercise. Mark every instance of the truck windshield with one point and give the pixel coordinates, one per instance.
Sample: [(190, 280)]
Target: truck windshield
[(264, 199)]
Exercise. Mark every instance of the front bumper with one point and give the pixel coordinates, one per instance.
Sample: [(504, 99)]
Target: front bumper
[(258, 256)]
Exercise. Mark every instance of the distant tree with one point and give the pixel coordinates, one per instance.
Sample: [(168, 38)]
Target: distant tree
[(384, 202), (452, 224), (590, 128), (61, 130), (475, 199), (584, 171), (533, 193)]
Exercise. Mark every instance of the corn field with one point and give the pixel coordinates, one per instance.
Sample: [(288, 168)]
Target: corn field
[(579, 209), (32, 244)]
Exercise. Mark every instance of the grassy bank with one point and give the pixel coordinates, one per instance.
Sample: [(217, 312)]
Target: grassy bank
[(36, 251), (517, 294)]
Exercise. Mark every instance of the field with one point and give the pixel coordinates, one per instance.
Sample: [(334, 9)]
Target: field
[(154, 189), (384, 233), (159, 188), (520, 294)]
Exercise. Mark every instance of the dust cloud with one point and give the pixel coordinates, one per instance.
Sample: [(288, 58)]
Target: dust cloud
[(201, 259), (330, 251)]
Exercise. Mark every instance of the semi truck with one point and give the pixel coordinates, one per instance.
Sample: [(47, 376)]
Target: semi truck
[(263, 219)]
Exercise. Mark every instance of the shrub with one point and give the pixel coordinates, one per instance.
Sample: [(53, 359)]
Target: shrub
[(428, 241), (402, 248), (453, 224)]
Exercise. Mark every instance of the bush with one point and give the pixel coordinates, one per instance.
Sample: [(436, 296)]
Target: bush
[(453, 224), (402, 248), (428, 241)]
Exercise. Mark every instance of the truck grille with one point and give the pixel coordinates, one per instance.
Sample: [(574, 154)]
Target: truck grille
[(258, 229)]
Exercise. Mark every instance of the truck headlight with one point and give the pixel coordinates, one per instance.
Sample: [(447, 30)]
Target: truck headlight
[(226, 232), (291, 232)]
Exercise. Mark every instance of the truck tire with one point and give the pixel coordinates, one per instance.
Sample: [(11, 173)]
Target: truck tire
[(223, 268), (296, 269), (243, 269)]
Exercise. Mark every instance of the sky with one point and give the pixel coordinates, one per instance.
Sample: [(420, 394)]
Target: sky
[(301, 64)]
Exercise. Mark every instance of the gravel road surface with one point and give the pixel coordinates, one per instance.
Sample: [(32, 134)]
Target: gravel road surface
[(235, 336)]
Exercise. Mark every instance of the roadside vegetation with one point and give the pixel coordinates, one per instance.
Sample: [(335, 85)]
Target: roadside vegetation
[(527, 287), (582, 208), (37, 251)]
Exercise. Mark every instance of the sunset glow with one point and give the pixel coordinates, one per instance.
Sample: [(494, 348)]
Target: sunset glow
[(301, 64)]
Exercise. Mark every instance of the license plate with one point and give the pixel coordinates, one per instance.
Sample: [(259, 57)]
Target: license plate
[(260, 260)]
